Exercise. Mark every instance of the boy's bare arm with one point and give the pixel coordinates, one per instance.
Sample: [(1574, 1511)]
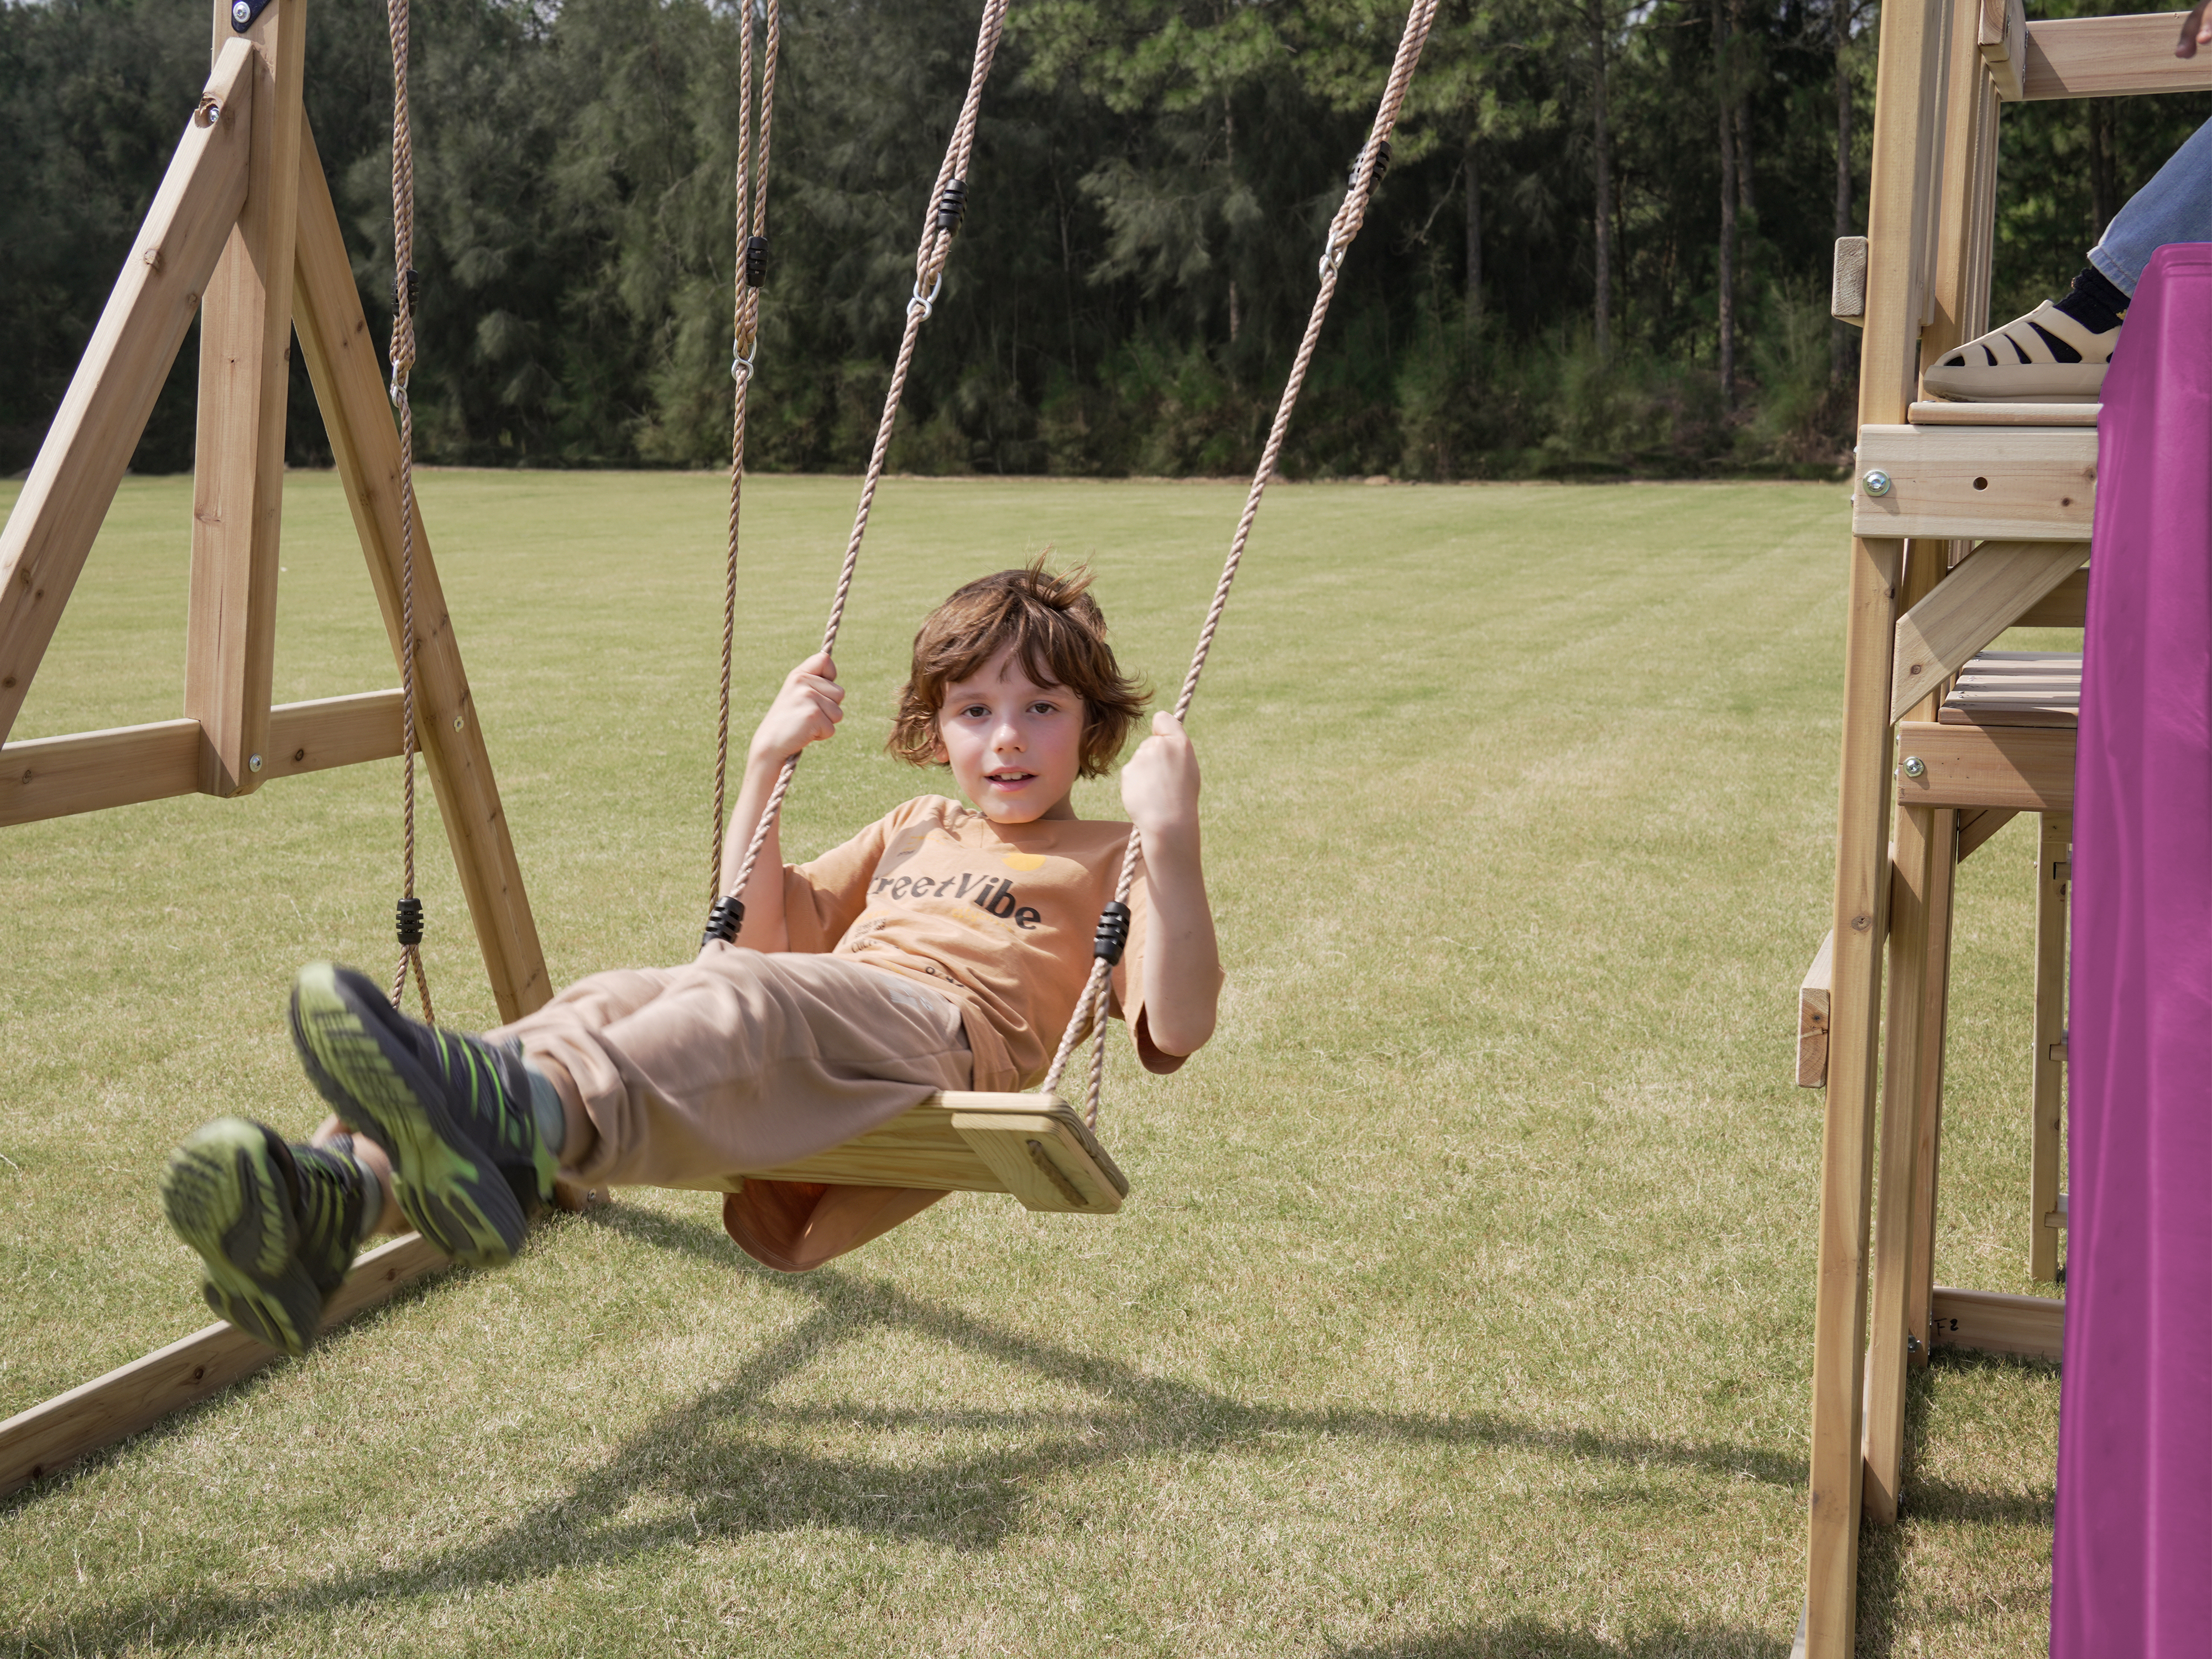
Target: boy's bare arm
[(1181, 965), (806, 710)]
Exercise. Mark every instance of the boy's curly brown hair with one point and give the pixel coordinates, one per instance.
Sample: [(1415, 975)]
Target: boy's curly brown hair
[(1055, 625)]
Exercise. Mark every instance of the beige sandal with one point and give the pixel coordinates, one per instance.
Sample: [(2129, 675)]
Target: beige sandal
[(2021, 363)]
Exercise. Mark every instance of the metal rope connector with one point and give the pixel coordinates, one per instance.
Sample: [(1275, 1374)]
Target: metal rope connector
[(1332, 260), (398, 387), (928, 304), (741, 360)]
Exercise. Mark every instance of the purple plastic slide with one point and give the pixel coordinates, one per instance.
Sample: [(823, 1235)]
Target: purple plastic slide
[(2132, 1573)]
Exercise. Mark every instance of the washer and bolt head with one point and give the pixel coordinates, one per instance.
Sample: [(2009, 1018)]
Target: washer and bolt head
[(1915, 767), (1876, 483), (253, 763), (241, 14)]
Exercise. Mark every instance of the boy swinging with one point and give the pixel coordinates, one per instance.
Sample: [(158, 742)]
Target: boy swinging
[(941, 948)]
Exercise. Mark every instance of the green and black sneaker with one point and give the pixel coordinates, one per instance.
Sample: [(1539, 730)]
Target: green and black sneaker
[(468, 1162), (276, 1226)]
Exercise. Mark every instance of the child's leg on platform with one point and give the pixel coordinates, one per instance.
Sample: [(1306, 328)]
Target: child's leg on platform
[(683, 1077), (2175, 206)]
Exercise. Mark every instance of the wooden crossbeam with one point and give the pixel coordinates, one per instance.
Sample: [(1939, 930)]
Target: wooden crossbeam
[(125, 765), (1987, 593), (1812, 1016), (2000, 483), (2109, 57), (36, 1442), (1997, 1323), (2026, 768), (72, 483)]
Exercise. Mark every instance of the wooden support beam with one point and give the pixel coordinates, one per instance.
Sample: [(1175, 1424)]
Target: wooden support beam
[(90, 771), (36, 1442), (2109, 57), (2047, 1097), (238, 481), (2003, 483), (1995, 1323), (1926, 1104), (2003, 41), (1813, 1018), (1909, 99), (2027, 769), (72, 483), (349, 381), (1937, 413), (1997, 583)]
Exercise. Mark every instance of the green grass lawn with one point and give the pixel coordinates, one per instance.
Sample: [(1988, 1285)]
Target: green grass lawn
[(1464, 1303)]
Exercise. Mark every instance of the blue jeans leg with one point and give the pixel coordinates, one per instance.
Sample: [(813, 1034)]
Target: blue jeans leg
[(2175, 206)]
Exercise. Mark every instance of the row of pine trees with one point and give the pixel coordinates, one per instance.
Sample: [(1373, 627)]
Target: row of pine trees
[(1602, 246)]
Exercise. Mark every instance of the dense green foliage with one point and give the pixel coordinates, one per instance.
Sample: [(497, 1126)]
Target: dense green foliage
[(1152, 182)]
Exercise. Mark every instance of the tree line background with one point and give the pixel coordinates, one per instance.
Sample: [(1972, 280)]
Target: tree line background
[(1602, 246)]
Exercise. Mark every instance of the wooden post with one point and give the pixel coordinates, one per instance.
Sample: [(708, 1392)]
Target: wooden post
[(1927, 1096), (72, 483), (238, 489), (2055, 852), (1926, 839), (341, 362), (1909, 87)]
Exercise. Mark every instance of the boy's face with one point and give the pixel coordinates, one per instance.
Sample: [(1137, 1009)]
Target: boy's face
[(1015, 747)]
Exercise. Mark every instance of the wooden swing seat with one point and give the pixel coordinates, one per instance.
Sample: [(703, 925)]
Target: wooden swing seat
[(1036, 1147)]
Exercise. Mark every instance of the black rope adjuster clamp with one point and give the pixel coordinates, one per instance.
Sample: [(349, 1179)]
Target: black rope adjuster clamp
[(756, 261), (724, 921), (1113, 935), (952, 207), (410, 922)]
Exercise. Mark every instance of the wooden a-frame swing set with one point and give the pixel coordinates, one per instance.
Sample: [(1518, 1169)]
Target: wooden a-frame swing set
[(243, 233), (1967, 519)]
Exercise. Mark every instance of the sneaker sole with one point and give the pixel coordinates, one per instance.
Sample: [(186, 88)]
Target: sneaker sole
[(455, 1198), (225, 1197)]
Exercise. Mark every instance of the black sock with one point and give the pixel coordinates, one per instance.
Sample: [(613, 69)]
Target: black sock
[(2095, 302)]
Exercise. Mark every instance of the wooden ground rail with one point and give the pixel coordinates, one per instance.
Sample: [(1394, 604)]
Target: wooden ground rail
[(48, 1438), (1965, 520)]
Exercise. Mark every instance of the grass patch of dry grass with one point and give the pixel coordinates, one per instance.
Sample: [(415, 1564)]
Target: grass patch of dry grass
[(1464, 1306)]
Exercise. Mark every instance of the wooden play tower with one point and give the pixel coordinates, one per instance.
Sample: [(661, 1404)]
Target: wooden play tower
[(1966, 519)]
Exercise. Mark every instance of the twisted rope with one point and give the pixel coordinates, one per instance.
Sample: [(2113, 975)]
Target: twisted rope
[(745, 332), (1342, 229), (403, 364), (936, 245)]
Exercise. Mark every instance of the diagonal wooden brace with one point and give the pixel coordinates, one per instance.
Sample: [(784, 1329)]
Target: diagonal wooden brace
[(72, 483), (1990, 590)]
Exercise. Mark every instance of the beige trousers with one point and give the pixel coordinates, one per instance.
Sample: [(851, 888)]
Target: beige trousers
[(741, 1061)]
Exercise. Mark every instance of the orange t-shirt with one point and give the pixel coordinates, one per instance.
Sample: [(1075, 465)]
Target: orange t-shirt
[(1000, 916)]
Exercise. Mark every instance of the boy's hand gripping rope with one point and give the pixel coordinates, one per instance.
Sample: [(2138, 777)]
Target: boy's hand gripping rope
[(406, 289), (1374, 159), (939, 225), (750, 272)]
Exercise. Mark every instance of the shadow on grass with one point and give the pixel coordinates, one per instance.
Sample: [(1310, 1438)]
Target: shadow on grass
[(705, 1476), (1529, 1638), (1885, 1552)]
